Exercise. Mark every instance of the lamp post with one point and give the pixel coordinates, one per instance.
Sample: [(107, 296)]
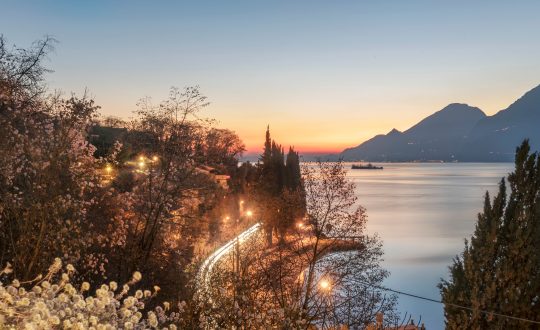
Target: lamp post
[(325, 286), (241, 206)]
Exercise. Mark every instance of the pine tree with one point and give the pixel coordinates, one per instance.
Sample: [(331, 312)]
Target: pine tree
[(499, 270)]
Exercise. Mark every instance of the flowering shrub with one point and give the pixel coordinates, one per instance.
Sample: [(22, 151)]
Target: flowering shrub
[(58, 197), (53, 302)]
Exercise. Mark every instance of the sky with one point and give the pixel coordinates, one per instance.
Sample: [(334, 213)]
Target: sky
[(325, 75)]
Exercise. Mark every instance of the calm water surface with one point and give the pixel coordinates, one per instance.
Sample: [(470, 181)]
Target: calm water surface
[(423, 213)]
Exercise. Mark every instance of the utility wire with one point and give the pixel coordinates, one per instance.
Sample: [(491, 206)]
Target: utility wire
[(515, 318)]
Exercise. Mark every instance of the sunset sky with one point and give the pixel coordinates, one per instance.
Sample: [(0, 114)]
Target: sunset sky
[(324, 75)]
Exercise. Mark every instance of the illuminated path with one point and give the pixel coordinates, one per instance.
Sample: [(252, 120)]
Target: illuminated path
[(203, 277)]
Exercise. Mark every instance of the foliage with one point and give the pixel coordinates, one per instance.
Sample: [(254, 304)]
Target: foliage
[(238, 295), (103, 138), (148, 201), (337, 223), (21, 72), (49, 185), (279, 190), (280, 286), (53, 302), (168, 196), (498, 270), (99, 210), (221, 149)]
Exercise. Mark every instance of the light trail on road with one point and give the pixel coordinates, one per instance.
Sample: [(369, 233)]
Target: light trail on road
[(205, 271)]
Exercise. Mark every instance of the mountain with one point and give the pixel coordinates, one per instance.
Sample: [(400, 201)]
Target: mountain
[(459, 132), (495, 138), (437, 137)]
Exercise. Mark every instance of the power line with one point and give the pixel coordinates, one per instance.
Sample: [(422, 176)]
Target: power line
[(515, 318)]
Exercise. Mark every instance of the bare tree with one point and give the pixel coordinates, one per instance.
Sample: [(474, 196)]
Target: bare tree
[(22, 71), (325, 275), (170, 196)]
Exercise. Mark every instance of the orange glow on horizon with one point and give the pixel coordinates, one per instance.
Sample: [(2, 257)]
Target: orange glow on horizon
[(301, 150), (308, 136)]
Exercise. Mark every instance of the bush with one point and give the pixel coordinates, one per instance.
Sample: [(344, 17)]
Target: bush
[(54, 301)]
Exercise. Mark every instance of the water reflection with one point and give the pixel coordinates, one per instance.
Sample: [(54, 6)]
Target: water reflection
[(423, 212)]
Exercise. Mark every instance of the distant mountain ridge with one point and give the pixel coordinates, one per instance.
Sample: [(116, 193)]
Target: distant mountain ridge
[(459, 132)]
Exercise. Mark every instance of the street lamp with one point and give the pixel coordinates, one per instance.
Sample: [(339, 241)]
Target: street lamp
[(108, 169), (241, 206), (141, 165), (155, 158), (325, 285), (249, 213)]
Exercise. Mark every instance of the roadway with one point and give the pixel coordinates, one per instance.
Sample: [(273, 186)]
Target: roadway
[(205, 272)]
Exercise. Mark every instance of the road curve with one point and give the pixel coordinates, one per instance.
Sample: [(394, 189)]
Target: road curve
[(205, 272)]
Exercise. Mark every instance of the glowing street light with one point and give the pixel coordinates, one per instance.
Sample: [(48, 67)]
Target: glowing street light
[(141, 165), (108, 169), (325, 285), (227, 218), (141, 158), (300, 225), (249, 213), (155, 158)]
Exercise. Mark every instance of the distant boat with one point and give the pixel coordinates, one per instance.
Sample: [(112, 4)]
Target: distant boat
[(366, 167)]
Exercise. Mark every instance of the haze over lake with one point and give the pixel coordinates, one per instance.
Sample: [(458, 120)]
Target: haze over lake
[(423, 212)]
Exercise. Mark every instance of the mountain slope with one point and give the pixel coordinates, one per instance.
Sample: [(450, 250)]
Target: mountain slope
[(495, 138), (437, 137)]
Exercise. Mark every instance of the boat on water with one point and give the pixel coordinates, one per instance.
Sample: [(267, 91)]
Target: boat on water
[(366, 167)]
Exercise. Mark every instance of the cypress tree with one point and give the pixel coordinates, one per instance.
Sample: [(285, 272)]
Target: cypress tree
[(269, 185), (280, 191), (292, 164), (499, 270), (267, 146)]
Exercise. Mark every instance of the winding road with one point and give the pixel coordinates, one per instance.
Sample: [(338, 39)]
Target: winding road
[(205, 272)]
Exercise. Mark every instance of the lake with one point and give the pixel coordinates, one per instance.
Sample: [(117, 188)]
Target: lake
[(423, 212)]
